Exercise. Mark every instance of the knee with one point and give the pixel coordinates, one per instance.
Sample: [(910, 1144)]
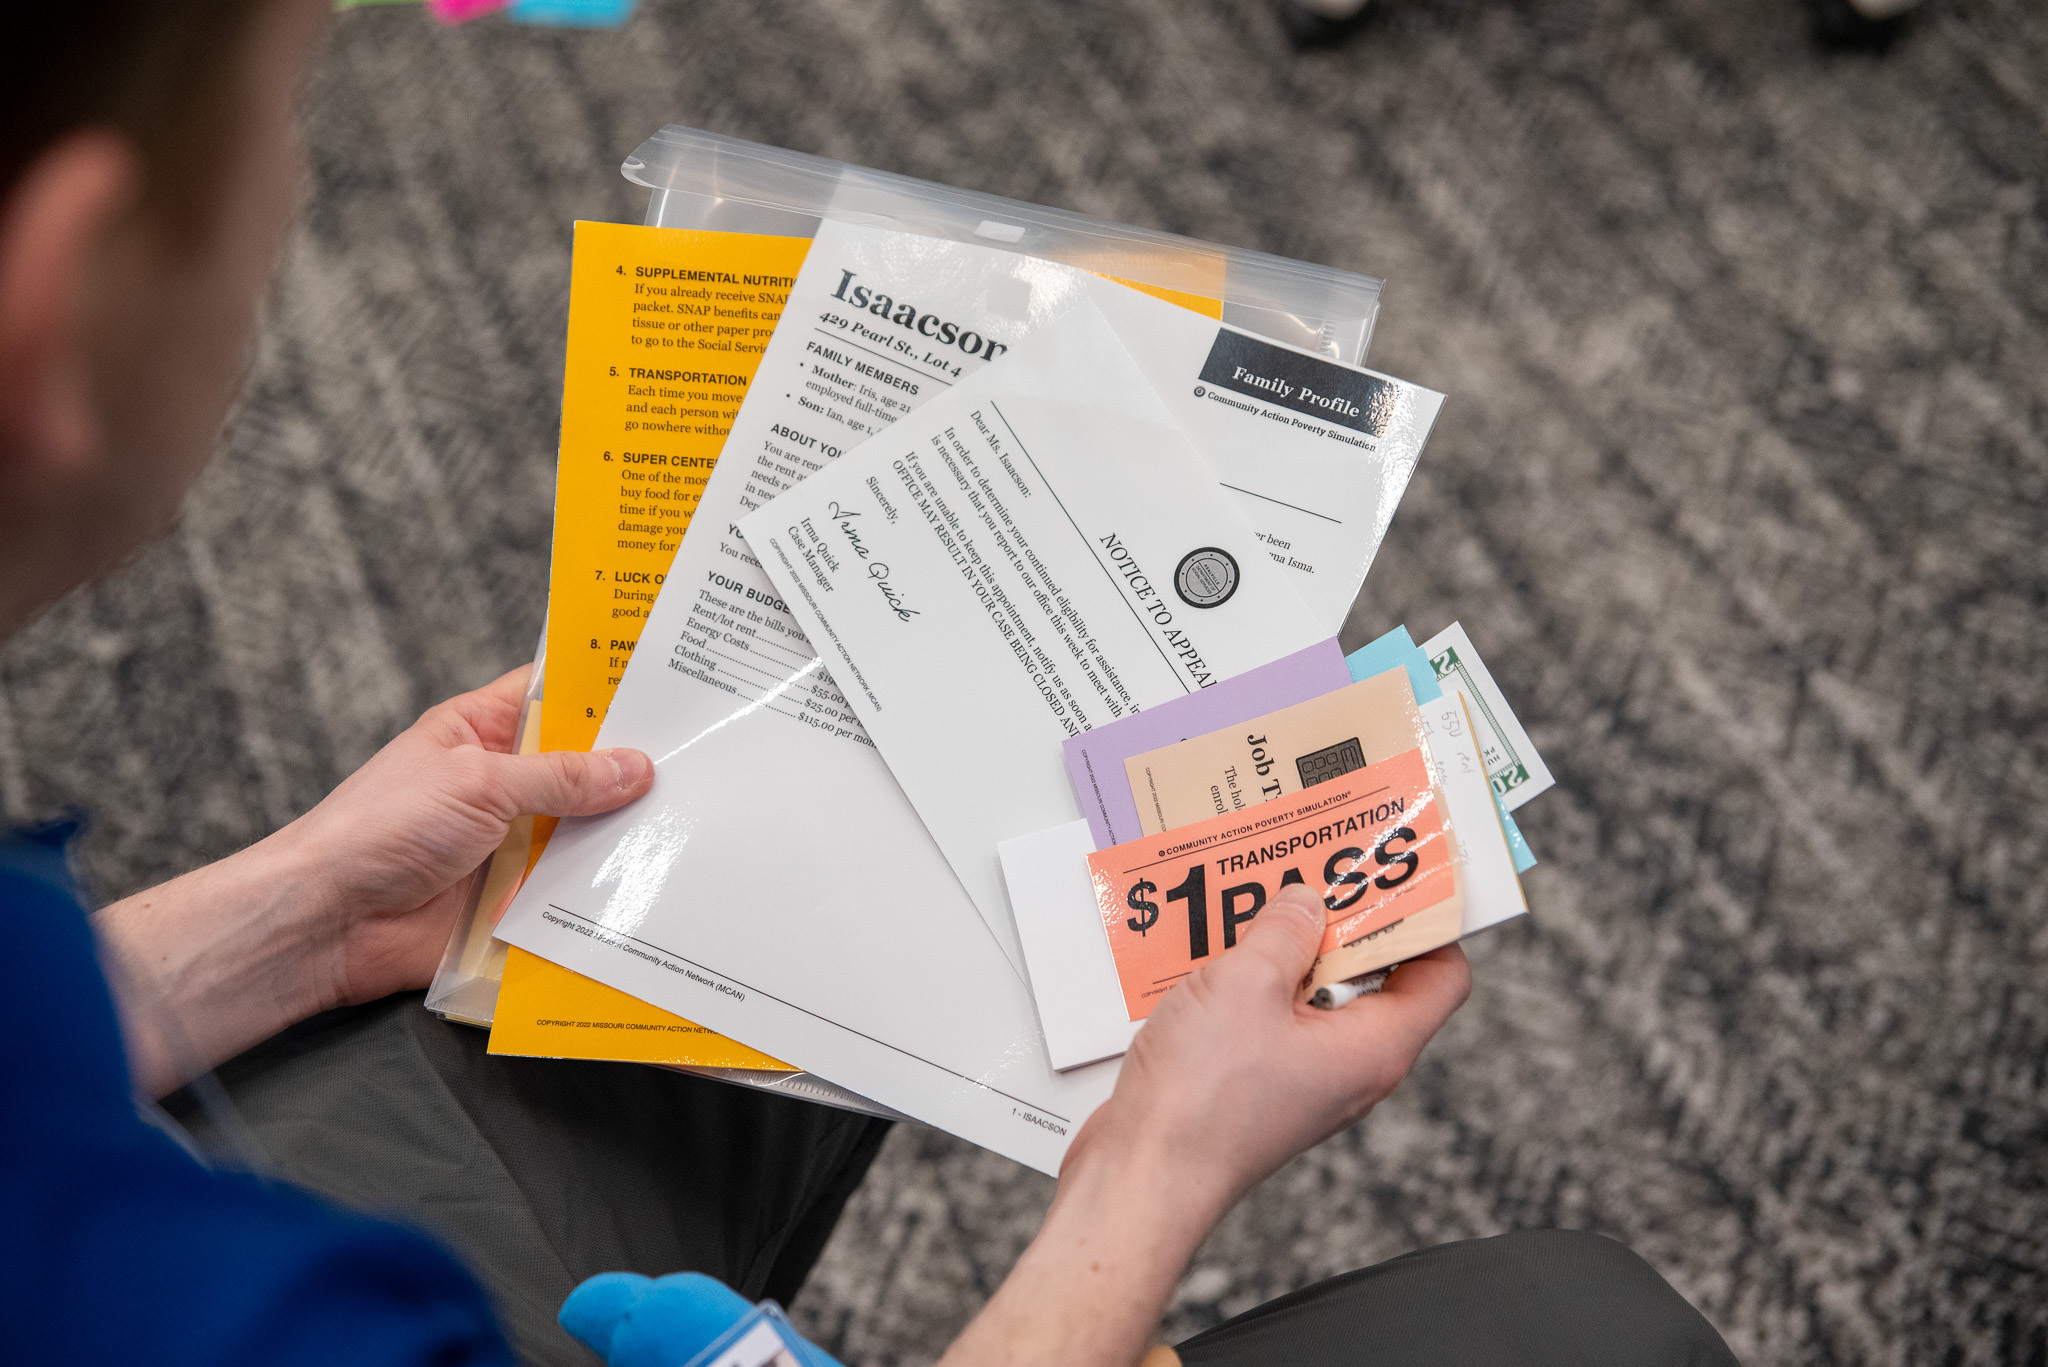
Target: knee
[(1572, 1252), (1588, 1279)]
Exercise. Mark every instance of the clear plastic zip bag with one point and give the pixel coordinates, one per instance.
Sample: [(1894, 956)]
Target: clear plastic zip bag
[(709, 182)]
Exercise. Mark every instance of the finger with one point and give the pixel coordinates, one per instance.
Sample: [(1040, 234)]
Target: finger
[(489, 714), (1440, 980), (570, 782), (1281, 944), (1442, 968), (507, 687), (1418, 998)]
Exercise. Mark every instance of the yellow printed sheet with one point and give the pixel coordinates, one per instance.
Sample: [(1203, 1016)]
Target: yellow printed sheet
[(558, 1014), (666, 327)]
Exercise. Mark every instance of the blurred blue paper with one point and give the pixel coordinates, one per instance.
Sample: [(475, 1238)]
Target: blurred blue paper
[(571, 13), (1397, 650), (1524, 857)]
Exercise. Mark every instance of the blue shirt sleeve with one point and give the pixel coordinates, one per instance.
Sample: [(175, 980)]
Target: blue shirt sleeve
[(116, 1246)]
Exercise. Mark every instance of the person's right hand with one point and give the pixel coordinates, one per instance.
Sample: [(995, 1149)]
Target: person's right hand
[(1233, 1075)]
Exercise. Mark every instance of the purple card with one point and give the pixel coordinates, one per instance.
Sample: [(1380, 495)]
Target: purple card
[(1095, 759)]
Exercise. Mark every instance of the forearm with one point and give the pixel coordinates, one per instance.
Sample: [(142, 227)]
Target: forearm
[(207, 965), (1090, 1289)]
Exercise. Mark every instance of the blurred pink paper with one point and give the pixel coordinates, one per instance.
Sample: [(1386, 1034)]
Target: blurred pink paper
[(462, 11)]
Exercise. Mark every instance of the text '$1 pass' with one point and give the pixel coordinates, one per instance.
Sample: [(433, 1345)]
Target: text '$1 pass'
[(1374, 844)]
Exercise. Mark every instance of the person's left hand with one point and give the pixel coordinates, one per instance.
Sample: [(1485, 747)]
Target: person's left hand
[(355, 899)]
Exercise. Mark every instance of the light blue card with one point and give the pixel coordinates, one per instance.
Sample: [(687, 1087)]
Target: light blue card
[(1525, 858), (1396, 649)]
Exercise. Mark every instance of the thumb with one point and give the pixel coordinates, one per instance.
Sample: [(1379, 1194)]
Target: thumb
[(571, 782), (1283, 941)]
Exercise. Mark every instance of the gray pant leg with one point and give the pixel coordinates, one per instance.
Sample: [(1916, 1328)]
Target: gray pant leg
[(1528, 1299), (541, 1172)]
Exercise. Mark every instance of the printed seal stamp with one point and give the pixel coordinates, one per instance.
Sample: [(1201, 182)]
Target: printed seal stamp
[(1206, 577)]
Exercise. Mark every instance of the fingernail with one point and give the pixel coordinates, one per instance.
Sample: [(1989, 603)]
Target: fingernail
[(633, 767)]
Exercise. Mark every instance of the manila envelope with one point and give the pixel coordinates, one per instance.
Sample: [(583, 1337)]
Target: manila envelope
[(1280, 753)]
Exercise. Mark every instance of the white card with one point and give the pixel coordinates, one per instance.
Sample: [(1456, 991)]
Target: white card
[(1073, 976), (1493, 892)]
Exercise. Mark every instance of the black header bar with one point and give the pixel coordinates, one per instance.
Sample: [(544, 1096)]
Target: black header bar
[(1307, 384)]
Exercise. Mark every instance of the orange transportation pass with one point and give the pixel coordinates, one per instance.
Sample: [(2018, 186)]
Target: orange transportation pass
[(1373, 842)]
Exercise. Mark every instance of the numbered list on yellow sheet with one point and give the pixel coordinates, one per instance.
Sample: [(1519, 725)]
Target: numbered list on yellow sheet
[(666, 328)]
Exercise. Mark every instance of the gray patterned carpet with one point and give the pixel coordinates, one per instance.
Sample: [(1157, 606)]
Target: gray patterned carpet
[(1740, 486)]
